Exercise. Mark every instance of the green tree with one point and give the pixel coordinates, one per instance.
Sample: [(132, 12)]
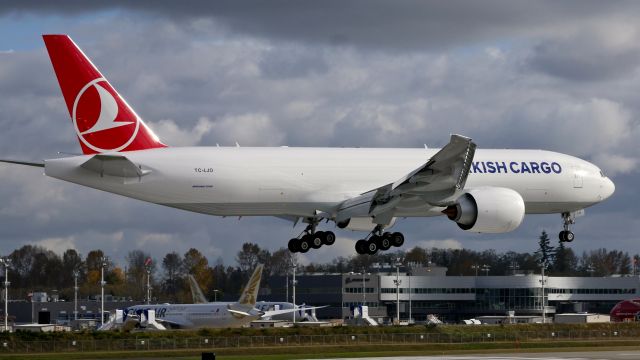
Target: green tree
[(196, 264), (417, 255), (173, 274), (545, 251), (137, 265), (565, 261)]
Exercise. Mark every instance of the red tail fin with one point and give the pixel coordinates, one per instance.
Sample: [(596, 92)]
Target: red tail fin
[(102, 119)]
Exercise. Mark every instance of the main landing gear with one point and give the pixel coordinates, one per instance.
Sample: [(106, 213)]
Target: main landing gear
[(566, 235), (377, 240), (311, 239)]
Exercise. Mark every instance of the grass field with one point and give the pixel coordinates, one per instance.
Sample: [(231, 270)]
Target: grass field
[(310, 343), (344, 351)]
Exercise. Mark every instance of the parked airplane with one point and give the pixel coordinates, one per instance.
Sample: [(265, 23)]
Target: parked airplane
[(209, 315), (301, 312), (626, 310), (485, 191)]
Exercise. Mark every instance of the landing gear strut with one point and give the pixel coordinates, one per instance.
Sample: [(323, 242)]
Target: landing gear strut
[(567, 220), (311, 239), (378, 240)]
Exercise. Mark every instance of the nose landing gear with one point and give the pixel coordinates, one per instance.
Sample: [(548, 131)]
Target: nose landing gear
[(566, 235), (377, 240)]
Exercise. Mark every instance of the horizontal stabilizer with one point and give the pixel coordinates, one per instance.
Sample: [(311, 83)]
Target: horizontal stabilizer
[(27, 163), (239, 313)]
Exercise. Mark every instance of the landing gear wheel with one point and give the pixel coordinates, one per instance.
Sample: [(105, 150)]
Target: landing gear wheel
[(304, 245), (361, 247), (397, 239), (329, 238), (384, 242), (566, 236), (372, 246), (568, 219), (315, 240), (293, 245)]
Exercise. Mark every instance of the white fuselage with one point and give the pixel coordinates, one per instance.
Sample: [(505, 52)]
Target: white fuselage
[(243, 181), (193, 316)]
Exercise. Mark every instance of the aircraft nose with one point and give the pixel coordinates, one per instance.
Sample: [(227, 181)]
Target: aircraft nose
[(608, 188)]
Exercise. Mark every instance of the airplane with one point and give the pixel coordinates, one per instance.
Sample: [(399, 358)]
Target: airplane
[(295, 313), (626, 310), (204, 315), (361, 189)]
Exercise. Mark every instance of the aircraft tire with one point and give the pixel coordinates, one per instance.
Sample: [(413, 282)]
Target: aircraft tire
[(361, 246), (372, 247), (397, 239), (384, 243), (566, 236), (293, 245), (304, 245), (329, 238), (315, 240)]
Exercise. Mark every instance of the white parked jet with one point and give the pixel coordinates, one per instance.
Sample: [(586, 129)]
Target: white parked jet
[(206, 315), (485, 191), (271, 309)]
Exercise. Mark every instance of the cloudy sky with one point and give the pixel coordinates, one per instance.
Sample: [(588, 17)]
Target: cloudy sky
[(557, 75)]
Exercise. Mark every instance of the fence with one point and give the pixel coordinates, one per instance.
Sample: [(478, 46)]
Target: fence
[(176, 343)]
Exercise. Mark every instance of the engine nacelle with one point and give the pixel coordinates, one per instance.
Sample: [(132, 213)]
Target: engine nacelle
[(487, 210)]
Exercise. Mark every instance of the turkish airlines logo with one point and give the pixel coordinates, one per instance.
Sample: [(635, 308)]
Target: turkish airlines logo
[(102, 120)]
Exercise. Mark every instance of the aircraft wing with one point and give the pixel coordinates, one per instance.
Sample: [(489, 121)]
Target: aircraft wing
[(270, 313), (436, 182)]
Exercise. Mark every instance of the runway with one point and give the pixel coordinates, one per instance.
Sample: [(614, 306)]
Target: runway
[(582, 355)]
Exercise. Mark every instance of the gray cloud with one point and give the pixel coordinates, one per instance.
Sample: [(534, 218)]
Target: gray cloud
[(202, 80), (599, 52)]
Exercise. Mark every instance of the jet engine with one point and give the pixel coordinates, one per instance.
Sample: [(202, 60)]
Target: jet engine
[(487, 210)]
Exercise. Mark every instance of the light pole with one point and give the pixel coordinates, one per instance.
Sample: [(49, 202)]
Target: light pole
[(6, 262), (76, 273), (364, 290), (147, 266), (293, 283), (486, 268), (544, 308), (409, 276), (103, 264), (397, 281), (514, 267), (475, 267), (148, 285), (215, 295), (342, 297)]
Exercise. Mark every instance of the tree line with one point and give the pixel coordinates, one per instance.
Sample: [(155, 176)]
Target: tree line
[(34, 268)]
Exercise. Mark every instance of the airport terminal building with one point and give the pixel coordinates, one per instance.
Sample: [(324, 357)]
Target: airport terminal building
[(420, 292), (452, 298)]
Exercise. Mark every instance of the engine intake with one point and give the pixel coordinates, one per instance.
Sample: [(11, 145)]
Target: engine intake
[(487, 210)]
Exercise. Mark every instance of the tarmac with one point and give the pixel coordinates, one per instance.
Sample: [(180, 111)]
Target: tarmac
[(582, 355)]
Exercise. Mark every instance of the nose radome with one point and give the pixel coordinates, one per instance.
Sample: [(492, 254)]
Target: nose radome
[(608, 188)]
